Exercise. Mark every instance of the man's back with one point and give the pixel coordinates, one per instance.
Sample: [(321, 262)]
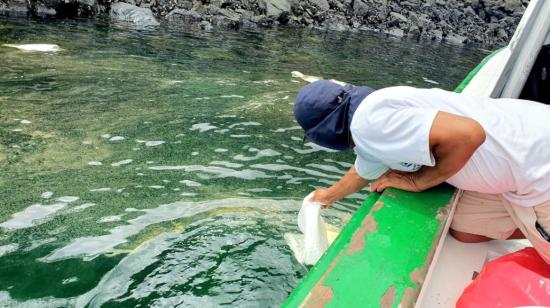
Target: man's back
[(391, 124)]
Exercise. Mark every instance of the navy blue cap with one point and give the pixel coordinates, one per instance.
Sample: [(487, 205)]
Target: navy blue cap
[(324, 109)]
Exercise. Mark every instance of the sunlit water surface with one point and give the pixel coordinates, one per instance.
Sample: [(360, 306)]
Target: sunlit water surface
[(164, 167)]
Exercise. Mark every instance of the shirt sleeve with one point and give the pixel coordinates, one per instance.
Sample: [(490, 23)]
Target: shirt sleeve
[(399, 135), (369, 169)]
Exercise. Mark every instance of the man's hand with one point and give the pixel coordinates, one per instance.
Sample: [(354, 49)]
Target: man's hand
[(396, 179), (322, 195), (350, 183)]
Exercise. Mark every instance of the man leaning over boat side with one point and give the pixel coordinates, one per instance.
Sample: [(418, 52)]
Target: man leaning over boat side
[(496, 150)]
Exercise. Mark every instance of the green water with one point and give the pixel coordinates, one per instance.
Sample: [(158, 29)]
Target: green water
[(164, 167)]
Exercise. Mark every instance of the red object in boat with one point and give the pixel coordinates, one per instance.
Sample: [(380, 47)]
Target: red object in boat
[(517, 279)]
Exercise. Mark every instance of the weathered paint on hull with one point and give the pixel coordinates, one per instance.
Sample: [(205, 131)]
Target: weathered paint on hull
[(381, 256)]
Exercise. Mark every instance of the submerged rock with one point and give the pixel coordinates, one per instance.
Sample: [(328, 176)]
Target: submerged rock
[(14, 8), (131, 13)]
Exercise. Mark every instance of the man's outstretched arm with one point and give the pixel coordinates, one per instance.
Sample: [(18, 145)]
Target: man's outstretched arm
[(350, 183), (453, 141)]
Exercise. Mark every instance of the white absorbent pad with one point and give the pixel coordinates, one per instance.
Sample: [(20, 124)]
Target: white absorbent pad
[(317, 235)]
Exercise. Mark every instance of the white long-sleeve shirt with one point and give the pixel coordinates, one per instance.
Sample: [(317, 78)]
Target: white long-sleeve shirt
[(391, 131)]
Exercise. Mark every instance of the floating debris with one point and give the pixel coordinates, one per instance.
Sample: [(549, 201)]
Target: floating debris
[(67, 199), (117, 138), (46, 195), (154, 143), (122, 162), (69, 280), (9, 248), (101, 189), (112, 218), (35, 47), (429, 80), (190, 183), (245, 124), (202, 127)]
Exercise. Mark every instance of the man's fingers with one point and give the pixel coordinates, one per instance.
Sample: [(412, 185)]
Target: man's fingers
[(383, 182), (378, 185), (382, 186)]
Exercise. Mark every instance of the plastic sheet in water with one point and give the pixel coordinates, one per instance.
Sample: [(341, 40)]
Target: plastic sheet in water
[(317, 235)]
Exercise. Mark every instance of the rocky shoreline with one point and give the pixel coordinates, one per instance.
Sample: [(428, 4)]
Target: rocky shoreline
[(485, 22)]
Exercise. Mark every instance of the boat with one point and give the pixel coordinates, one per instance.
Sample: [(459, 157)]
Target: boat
[(396, 251)]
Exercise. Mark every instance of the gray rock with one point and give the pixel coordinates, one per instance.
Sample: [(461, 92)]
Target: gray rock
[(455, 39), (360, 8), (395, 32), (437, 35), (44, 11), (14, 8), (320, 4), (230, 15), (396, 17), (414, 32), (183, 16), (186, 5), (276, 8), (205, 25), (133, 14), (336, 22), (226, 19), (90, 3)]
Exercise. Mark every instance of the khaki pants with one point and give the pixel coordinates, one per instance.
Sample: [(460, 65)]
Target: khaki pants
[(495, 217)]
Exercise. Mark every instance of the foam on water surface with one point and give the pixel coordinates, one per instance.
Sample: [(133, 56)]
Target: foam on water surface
[(31, 216), (9, 248), (67, 199), (90, 247), (218, 172), (202, 127), (111, 218), (244, 124), (100, 189), (116, 138), (122, 162), (259, 154), (46, 195), (154, 143), (190, 183), (81, 207)]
